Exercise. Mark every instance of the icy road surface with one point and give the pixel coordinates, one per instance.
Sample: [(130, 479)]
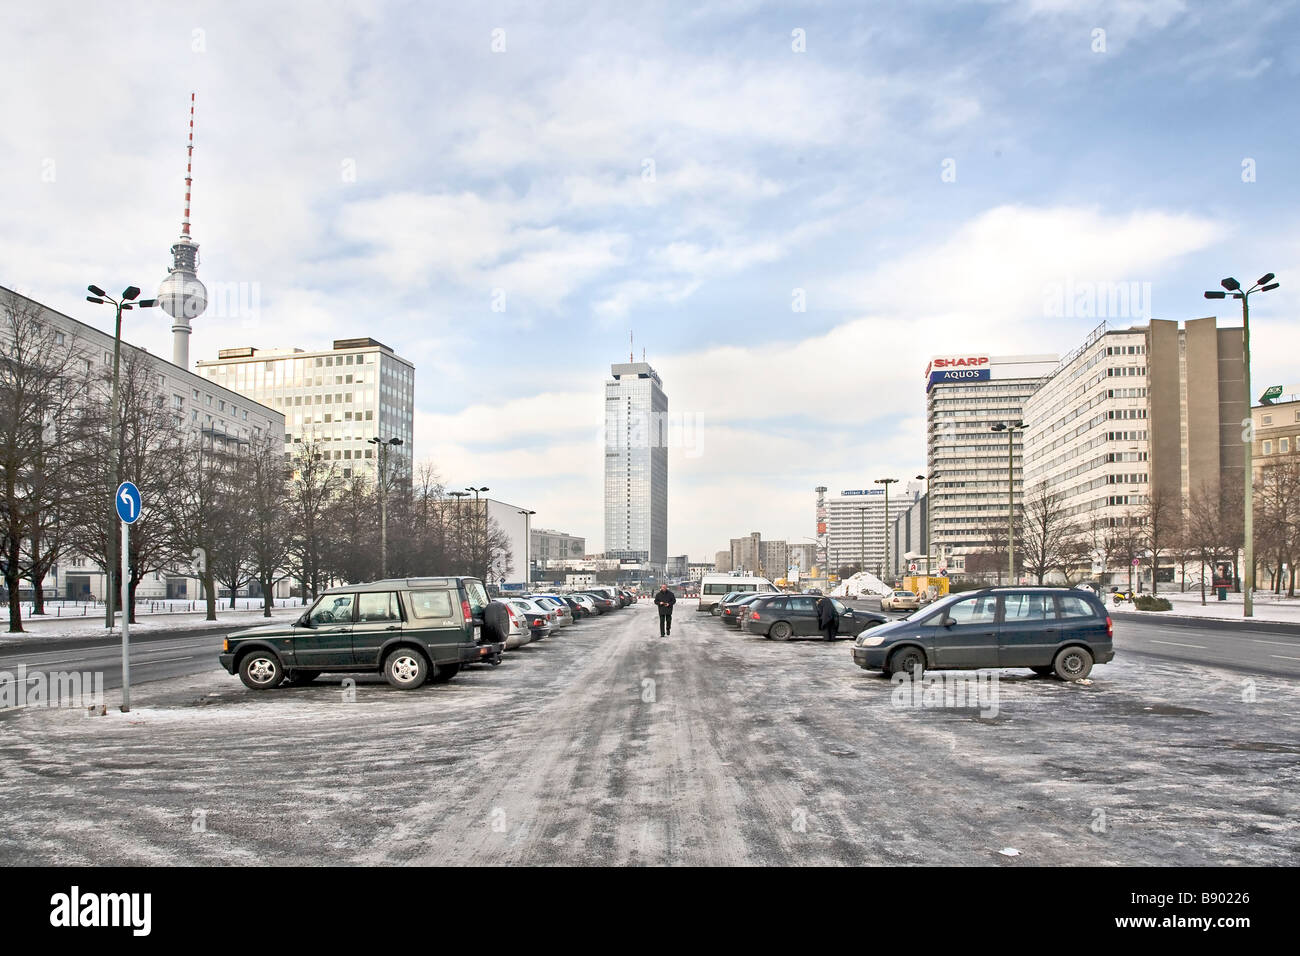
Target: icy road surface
[(605, 744)]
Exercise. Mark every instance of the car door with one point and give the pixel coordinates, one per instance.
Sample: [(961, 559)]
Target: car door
[(1028, 631), (846, 622), (326, 641), (435, 621), (378, 621), (969, 634), (1079, 621), (801, 611)]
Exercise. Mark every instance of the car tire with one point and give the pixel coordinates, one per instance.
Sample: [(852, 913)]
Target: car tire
[(1042, 670), (1072, 663), (303, 678), (406, 668), (780, 631), (715, 611), (909, 660), (444, 673), (261, 670), (496, 623)]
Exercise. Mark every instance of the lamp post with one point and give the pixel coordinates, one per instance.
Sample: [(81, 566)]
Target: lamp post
[(887, 482), (1010, 428), (384, 445), (1233, 287), (528, 540), (458, 495), (862, 544), (130, 299), (925, 529), (479, 544)]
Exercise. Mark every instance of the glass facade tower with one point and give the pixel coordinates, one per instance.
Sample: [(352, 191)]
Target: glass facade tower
[(636, 465)]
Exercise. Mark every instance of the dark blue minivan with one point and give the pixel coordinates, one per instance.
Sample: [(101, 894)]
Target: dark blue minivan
[(1061, 631)]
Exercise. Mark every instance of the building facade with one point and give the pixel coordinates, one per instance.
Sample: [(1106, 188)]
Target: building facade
[(342, 397), (855, 529), (907, 533), (548, 546), (636, 464), (1133, 413), (966, 395), (1277, 429), (219, 417)]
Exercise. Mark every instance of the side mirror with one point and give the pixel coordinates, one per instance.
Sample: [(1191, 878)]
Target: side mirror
[(304, 621), (949, 622)]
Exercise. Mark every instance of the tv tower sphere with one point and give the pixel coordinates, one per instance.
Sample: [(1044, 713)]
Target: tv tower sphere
[(182, 295)]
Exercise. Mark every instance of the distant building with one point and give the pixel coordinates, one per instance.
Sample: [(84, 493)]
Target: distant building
[(548, 546), (636, 464), (344, 396), (1277, 429), (722, 563), (696, 570), (677, 567)]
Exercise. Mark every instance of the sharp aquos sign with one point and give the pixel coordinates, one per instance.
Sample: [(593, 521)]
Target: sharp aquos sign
[(957, 369)]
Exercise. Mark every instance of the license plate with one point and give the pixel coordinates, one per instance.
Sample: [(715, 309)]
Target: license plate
[(478, 633)]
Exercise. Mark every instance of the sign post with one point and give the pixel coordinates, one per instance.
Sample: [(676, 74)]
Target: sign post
[(128, 504)]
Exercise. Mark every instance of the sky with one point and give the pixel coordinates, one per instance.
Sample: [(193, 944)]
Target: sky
[(790, 208)]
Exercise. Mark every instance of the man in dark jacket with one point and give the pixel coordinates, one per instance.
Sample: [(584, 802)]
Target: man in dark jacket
[(827, 619), (664, 600)]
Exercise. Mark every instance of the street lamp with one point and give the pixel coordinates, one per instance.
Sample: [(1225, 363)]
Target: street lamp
[(887, 482), (479, 544), (925, 530), (528, 540), (862, 545), (1265, 283), (1010, 428), (383, 499), (130, 300)]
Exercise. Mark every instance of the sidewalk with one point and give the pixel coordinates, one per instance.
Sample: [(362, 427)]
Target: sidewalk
[(1268, 607), (50, 628)]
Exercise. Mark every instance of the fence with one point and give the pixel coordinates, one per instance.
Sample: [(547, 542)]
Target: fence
[(60, 607)]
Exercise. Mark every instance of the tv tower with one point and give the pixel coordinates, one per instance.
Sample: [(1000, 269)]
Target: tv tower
[(182, 295)]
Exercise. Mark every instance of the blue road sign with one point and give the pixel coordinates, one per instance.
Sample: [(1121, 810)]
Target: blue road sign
[(128, 502)]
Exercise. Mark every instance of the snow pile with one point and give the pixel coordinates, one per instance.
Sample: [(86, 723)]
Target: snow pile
[(861, 583)]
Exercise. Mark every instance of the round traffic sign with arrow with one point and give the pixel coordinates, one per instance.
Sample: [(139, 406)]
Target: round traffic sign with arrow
[(128, 502)]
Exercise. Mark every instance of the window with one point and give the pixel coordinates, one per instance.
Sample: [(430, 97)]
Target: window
[(1026, 607), (1075, 607), (332, 609), (976, 610), (1268, 420), (1268, 448), (802, 605), (1284, 445), (381, 606), (58, 338)]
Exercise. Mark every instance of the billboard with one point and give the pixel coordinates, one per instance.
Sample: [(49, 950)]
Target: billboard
[(865, 491)]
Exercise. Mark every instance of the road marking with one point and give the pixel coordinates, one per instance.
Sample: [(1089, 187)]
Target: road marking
[(165, 660), (1283, 657), (1176, 644), (1278, 643)]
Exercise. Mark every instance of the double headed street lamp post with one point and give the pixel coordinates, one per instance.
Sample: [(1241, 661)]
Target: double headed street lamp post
[(925, 529), (1010, 428), (1233, 287), (887, 482), (528, 541), (384, 445), (130, 300), (460, 510), (480, 545)]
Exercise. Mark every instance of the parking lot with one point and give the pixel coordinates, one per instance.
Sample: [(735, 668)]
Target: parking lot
[(607, 744)]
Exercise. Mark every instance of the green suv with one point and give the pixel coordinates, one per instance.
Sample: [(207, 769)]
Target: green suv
[(409, 629)]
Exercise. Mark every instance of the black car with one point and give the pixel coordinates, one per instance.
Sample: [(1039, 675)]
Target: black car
[(730, 612), (782, 617), (1061, 631), (604, 603)]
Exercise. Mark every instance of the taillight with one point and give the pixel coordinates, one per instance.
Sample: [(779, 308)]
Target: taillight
[(464, 609), (1110, 627), (754, 616), (537, 623)]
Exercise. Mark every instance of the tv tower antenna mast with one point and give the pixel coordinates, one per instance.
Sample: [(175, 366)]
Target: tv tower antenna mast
[(182, 295)]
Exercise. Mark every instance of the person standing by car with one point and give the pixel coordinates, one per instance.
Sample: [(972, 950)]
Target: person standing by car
[(664, 600), (827, 619)]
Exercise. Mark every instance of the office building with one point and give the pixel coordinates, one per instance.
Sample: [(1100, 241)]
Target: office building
[(855, 529), (1136, 412), (548, 546), (636, 465), (907, 532), (722, 563), (966, 395), (342, 397), (219, 417), (1277, 429)]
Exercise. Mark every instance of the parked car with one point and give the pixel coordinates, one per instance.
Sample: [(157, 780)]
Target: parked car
[(900, 601), (627, 597), (408, 629), (519, 634), (1062, 631), (731, 612), (563, 616), (782, 617), (586, 602), (604, 603), (540, 620)]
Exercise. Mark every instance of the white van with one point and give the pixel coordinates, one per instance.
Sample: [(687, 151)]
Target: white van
[(714, 586)]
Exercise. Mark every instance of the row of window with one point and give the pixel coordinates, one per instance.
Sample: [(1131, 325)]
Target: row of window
[(1283, 445)]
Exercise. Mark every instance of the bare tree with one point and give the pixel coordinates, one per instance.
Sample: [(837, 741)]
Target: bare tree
[(1213, 527), (1158, 523), (1045, 529), (1277, 527), (268, 516), (316, 482), (42, 387)]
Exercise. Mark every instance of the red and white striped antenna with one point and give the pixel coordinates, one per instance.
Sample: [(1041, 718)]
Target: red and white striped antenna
[(189, 172)]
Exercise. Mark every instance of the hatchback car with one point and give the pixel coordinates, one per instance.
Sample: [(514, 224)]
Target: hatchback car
[(408, 629), (586, 602), (730, 612), (1059, 631), (519, 633), (540, 619), (780, 617), (563, 615), (900, 601)]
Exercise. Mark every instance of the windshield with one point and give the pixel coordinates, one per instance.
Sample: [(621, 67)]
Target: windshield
[(939, 605)]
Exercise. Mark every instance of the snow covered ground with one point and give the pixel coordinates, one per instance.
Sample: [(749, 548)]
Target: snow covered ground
[(92, 625), (1268, 607)]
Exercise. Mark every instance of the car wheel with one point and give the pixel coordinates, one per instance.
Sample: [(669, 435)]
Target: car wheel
[(1042, 670), (302, 678), (445, 673), (909, 660), (715, 611), (261, 670), (406, 668), (780, 631), (1072, 663)]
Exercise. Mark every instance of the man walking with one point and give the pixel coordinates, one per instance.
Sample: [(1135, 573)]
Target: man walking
[(664, 600), (827, 619)]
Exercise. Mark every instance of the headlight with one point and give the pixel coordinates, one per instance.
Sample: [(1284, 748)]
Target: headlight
[(865, 640)]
